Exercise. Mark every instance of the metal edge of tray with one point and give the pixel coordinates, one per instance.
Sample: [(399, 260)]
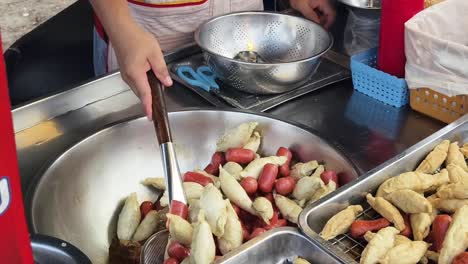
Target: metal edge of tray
[(269, 240), (354, 192)]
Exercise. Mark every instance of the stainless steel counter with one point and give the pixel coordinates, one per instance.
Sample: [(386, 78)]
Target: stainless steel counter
[(367, 131)]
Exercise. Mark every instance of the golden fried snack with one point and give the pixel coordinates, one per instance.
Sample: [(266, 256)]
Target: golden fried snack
[(254, 142), (399, 239), (457, 174), (157, 183), (234, 191), (192, 191), (421, 224), (456, 238), (298, 260), (234, 169), (324, 190), (410, 201), (233, 235), (147, 227), (416, 181), (129, 218), (318, 171), (194, 210), (264, 208), (432, 255), (203, 248), (288, 208), (464, 150), (300, 169), (255, 167), (306, 187), (449, 205), (236, 137), (406, 253), (341, 222), (453, 191), (435, 159), (214, 208), (456, 157), (379, 245), (387, 210), (180, 229)]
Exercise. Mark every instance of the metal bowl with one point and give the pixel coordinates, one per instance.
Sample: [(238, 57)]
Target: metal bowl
[(78, 197), (290, 46)]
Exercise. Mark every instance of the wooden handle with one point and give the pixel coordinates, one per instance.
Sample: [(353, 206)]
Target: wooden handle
[(160, 118)]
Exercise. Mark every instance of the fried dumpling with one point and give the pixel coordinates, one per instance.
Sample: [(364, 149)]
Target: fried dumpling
[(387, 210), (236, 137), (435, 159), (129, 218), (456, 238), (214, 208), (341, 222)]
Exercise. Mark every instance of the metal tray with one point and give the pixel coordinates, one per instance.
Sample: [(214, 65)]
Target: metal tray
[(277, 246), (344, 247)]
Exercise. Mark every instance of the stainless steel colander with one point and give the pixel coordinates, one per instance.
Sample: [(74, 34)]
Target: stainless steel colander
[(290, 48)]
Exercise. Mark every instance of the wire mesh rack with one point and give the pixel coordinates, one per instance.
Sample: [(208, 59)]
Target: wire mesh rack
[(351, 246)]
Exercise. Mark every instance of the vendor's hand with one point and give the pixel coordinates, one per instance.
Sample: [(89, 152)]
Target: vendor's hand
[(319, 11), (137, 52)]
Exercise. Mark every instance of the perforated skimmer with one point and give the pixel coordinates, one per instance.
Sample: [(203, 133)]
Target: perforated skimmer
[(290, 46)]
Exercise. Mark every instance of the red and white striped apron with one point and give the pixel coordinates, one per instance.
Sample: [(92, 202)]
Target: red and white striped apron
[(171, 21)]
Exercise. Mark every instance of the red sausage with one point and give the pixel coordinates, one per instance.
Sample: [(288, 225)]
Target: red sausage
[(328, 176), (267, 178), (240, 155), (285, 185), (145, 208), (179, 208), (250, 185), (284, 169), (439, 226), (197, 177), (360, 227), (462, 258), (407, 232), (236, 208), (257, 231), (171, 261), (275, 221), (216, 160), (177, 251)]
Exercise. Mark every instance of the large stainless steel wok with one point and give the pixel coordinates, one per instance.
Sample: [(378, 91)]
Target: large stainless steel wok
[(78, 197)]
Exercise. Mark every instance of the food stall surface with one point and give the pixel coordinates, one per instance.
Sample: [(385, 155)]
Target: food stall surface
[(367, 131)]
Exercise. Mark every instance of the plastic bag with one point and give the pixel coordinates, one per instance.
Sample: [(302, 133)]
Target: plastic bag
[(436, 47), (362, 30)]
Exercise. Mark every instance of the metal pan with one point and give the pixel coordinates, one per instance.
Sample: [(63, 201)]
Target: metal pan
[(363, 4), (277, 246), (77, 198), (348, 250)]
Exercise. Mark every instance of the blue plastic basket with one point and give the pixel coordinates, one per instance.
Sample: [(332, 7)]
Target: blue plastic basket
[(377, 84)]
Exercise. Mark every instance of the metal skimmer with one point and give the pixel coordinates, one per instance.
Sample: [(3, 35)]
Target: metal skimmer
[(154, 248)]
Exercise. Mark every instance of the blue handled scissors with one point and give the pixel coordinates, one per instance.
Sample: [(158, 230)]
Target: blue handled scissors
[(203, 77)]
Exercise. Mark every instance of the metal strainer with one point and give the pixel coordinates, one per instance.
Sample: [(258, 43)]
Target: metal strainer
[(290, 48)]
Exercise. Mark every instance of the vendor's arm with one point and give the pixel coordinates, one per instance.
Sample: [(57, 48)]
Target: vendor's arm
[(320, 11), (137, 51)]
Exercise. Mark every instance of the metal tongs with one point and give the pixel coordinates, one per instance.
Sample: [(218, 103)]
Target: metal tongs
[(154, 248)]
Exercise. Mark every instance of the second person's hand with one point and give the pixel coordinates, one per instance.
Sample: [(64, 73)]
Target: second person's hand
[(319, 11), (137, 52)]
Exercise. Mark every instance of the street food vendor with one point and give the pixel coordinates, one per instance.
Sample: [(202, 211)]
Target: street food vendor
[(133, 35)]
